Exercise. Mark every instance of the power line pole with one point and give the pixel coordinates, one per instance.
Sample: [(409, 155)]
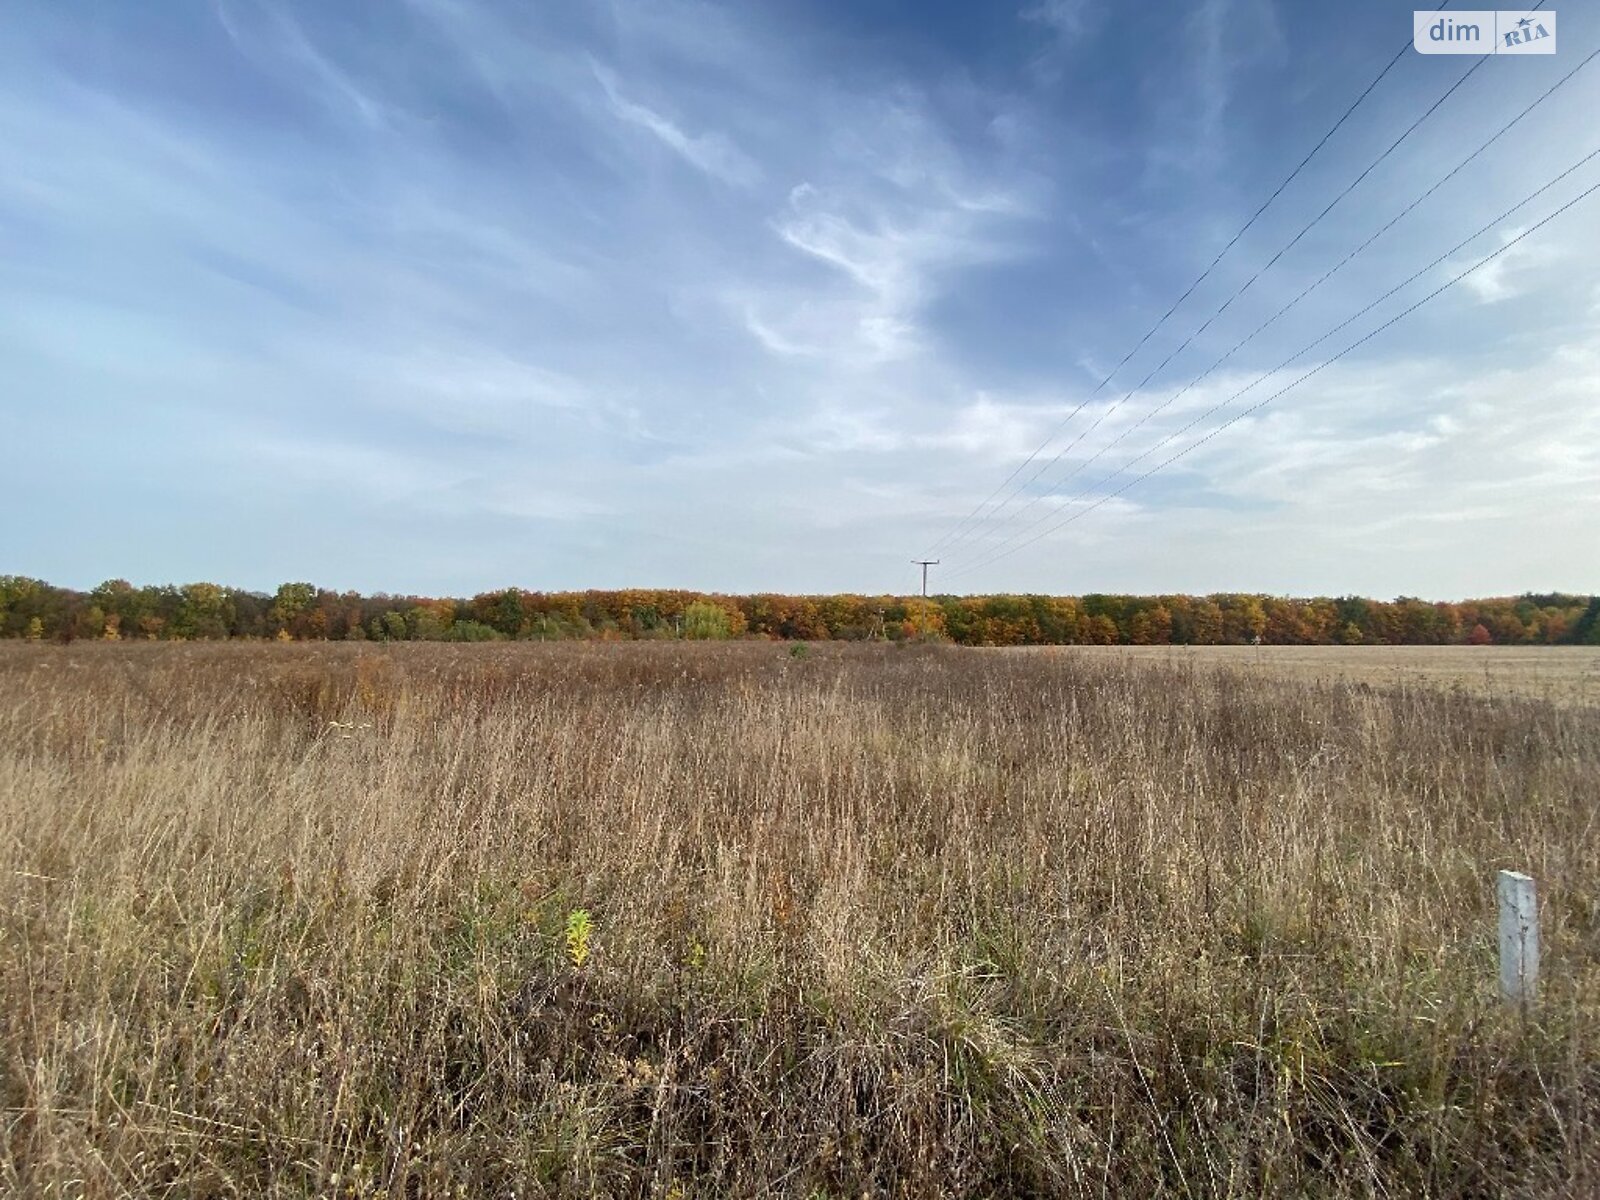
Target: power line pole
[(925, 563)]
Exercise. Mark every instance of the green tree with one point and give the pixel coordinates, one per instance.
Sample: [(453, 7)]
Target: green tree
[(21, 602), (204, 611), (705, 621), (472, 631), (426, 625), (502, 611), (1586, 632), (291, 605)]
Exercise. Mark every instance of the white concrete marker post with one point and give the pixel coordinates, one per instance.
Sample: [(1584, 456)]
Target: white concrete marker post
[(1519, 938)]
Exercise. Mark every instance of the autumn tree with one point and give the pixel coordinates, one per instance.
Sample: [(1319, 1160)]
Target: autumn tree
[(117, 609), (429, 622), (1151, 626), (290, 607), (22, 602), (1205, 622), (1244, 620), (849, 617), (1101, 631)]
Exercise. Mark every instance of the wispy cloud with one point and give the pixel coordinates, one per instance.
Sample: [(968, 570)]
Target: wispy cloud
[(897, 226), (689, 292), (1219, 41), (1067, 18), (270, 37), (712, 152)]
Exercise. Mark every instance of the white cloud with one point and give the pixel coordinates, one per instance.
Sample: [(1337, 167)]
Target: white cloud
[(894, 236), (1497, 279), (1414, 475), (503, 302), (712, 152)]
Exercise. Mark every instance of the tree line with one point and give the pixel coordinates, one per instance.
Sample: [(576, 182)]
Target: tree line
[(116, 609)]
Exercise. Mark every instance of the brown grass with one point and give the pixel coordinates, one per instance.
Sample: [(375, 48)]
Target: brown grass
[(887, 922), (1562, 674)]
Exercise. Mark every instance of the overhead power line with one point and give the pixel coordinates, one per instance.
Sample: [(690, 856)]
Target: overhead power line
[(1326, 275), (1005, 552), (955, 535), (1239, 291), (1201, 278)]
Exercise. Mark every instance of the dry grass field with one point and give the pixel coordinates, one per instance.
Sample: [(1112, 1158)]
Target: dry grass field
[(1563, 674), (686, 921)]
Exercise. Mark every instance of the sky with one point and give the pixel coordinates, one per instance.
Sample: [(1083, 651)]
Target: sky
[(439, 296)]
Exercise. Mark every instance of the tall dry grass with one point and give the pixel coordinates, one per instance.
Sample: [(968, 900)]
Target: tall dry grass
[(287, 921)]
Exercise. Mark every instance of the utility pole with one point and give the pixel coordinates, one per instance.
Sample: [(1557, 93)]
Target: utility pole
[(925, 563)]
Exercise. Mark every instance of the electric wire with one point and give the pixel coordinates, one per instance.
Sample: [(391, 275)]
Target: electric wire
[(1006, 552), (1201, 278), (956, 536), (1226, 304), (1326, 275)]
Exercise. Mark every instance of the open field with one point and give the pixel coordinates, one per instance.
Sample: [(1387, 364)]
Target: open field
[(1563, 674), (658, 919)]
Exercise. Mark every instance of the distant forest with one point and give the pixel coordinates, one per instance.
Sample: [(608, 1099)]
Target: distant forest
[(30, 608)]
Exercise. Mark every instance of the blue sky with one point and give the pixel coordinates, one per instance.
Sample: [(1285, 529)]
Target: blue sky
[(443, 295)]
